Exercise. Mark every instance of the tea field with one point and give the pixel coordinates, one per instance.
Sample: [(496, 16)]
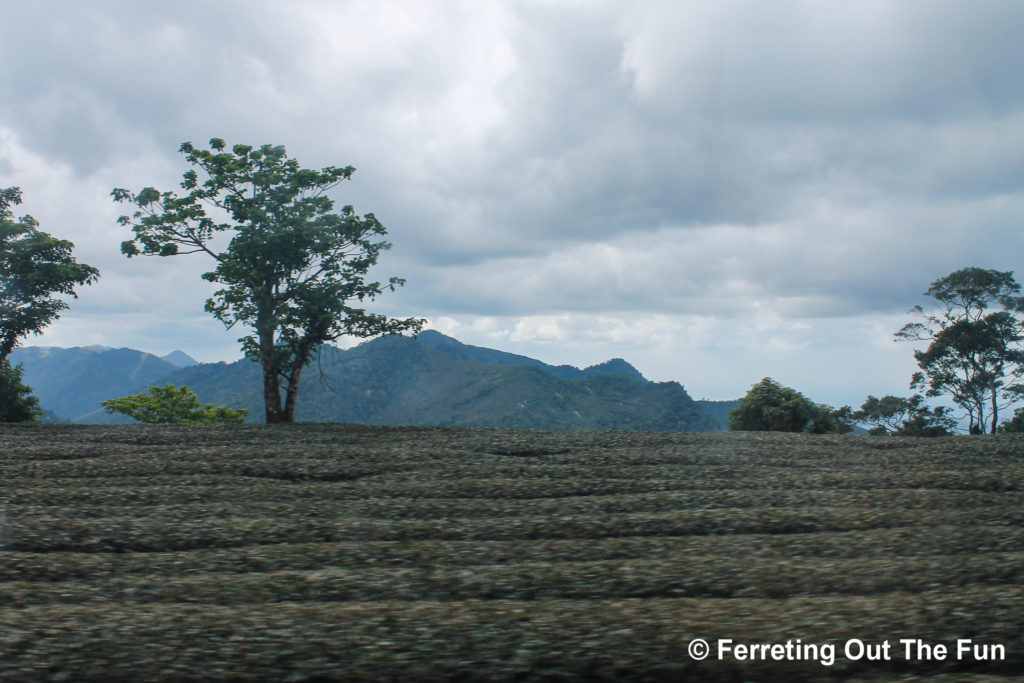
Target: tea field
[(323, 552)]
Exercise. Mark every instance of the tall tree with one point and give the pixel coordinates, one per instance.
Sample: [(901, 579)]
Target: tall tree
[(35, 269), (974, 353), (294, 270)]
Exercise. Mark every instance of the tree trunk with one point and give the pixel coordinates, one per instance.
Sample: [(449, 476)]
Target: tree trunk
[(995, 411), (292, 390), (271, 380)]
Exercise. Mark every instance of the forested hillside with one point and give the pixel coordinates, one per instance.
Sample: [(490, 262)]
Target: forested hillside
[(392, 380), (403, 381), (72, 382)]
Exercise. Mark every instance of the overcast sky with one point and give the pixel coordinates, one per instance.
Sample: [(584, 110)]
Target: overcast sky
[(714, 191)]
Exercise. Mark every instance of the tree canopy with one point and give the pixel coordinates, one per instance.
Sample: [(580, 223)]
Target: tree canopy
[(771, 407), (35, 269), (171, 404), (294, 271), (904, 416), (17, 404), (1014, 424), (974, 354)]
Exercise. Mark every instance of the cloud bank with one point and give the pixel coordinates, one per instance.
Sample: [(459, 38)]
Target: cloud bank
[(719, 191)]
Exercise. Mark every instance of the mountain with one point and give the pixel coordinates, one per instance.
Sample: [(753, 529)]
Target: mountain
[(180, 359), (72, 382), (431, 379), (460, 351), (719, 410), (398, 380), (615, 366)]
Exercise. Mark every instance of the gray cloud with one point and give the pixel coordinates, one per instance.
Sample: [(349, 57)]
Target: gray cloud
[(735, 159)]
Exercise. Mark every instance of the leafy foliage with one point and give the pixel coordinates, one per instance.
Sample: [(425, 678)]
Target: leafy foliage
[(1015, 423), (34, 268), (974, 353), (171, 405), (771, 407), (17, 404), (829, 420), (294, 270), (904, 417)]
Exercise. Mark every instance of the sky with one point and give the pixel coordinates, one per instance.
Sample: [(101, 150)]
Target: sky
[(716, 192)]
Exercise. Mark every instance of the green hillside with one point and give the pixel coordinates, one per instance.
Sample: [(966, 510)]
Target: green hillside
[(72, 382), (393, 380), (719, 410), (402, 381), (459, 351)]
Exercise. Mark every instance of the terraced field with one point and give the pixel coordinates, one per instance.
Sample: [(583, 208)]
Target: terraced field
[(341, 552)]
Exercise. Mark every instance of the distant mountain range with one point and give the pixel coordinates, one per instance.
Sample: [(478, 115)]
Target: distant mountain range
[(430, 379), (72, 382)]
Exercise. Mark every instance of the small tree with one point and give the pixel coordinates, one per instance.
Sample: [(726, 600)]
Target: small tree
[(17, 404), (904, 416), (34, 268), (294, 270), (974, 353), (771, 407), (172, 405)]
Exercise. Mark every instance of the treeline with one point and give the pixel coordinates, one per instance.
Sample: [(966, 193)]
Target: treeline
[(974, 358)]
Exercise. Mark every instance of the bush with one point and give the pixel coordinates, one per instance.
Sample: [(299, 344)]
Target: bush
[(771, 407), (17, 404), (171, 405), (1015, 423)]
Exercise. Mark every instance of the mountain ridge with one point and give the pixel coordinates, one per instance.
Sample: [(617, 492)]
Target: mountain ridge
[(402, 381), (461, 351), (72, 382), (428, 379)]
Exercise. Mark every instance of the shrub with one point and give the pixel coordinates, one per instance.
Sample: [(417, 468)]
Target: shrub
[(771, 407), (170, 404), (1015, 423), (17, 404)]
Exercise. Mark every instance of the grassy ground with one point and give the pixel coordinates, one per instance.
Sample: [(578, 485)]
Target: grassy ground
[(340, 552)]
